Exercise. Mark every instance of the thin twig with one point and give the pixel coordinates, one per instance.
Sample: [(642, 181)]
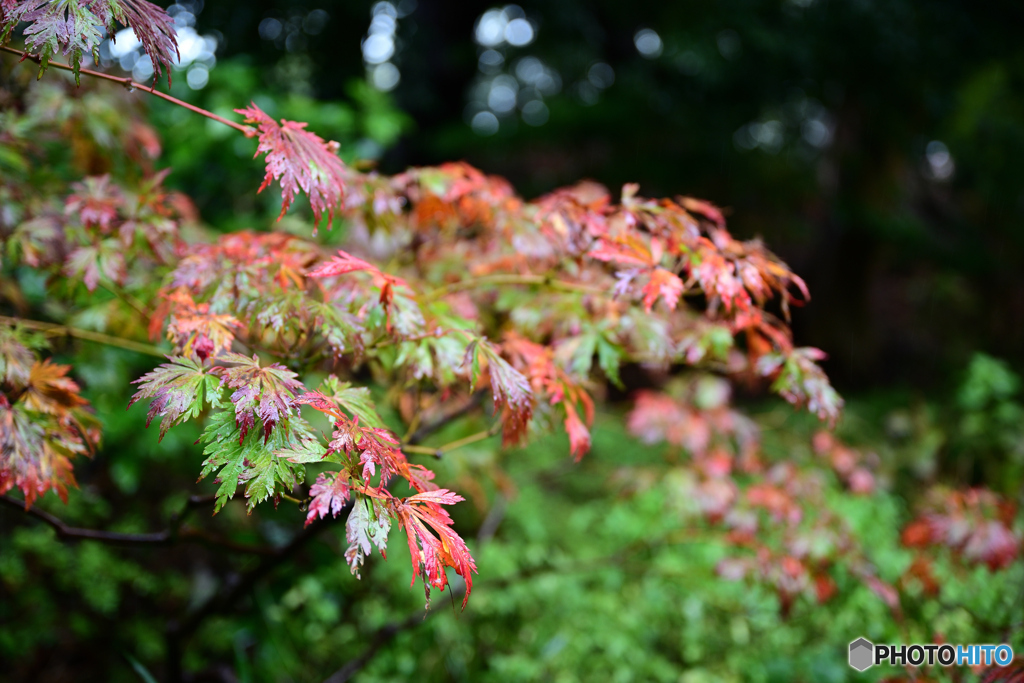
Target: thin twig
[(425, 430), (440, 451), (88, 335), (179, 631), (132, 85)]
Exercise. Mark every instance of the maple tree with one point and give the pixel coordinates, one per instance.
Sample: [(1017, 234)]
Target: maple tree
[(459, 298)]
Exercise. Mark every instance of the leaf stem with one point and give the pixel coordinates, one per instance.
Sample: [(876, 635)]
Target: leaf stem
[(128, 83), (512, 279), (98, 337)]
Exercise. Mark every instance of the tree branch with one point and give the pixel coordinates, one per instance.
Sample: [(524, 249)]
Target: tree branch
[(425, 430), (458, 443), (88, 335), (173, 533), (513, 279), (132, 85), (179, 631), (64, 531)]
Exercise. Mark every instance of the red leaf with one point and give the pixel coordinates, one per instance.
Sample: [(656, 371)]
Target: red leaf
[(628, 250), (510, 388), (93, 263), (330, 493), (155, 30), (193, 328), (341, 264), (664, 284), (579, 435), (300, 160), (706, 209), (95, 201), (417, 516)]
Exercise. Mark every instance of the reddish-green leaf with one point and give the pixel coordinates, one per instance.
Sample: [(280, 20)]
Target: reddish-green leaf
[(301, 161), (267, 393), (330, 493), (177, 391)]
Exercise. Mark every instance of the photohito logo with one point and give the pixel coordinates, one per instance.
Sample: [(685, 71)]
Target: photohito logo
[(865, 654)]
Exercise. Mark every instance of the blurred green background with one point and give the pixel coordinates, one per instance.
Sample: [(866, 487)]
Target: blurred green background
[(875, 145)]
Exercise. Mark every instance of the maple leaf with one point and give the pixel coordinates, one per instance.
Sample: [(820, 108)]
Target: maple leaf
[(98, 262), (628, 250), (69, 27), (268, 393), (401, 311), (366, 527), (177, 391), (155, 30), (34, 454), (341, 264), (76, 28), (417, 516), (44, 428), (330, 493), (706, 209), (261, 464), (664, 284), (49, 390), (16, 354), (334, 397), (194, 329), (579, 435), (510, 389), (300, 160), (95, 202), (799, 380)]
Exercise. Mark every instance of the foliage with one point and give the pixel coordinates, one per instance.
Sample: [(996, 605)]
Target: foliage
[(460, 309), (76, 27)]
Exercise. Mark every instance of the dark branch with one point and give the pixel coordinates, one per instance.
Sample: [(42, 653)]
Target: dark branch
[(429, 428), (237, 588), (172, 534), (64, 531)]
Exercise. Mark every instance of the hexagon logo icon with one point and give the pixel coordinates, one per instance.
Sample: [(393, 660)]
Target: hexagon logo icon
[(861, 654)]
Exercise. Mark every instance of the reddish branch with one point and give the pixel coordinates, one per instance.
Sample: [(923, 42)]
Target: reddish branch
[(132, 85)]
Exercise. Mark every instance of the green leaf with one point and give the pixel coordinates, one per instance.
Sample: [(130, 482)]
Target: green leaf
[(256, 462), (356, 400), (609, 357), (583, 354)]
